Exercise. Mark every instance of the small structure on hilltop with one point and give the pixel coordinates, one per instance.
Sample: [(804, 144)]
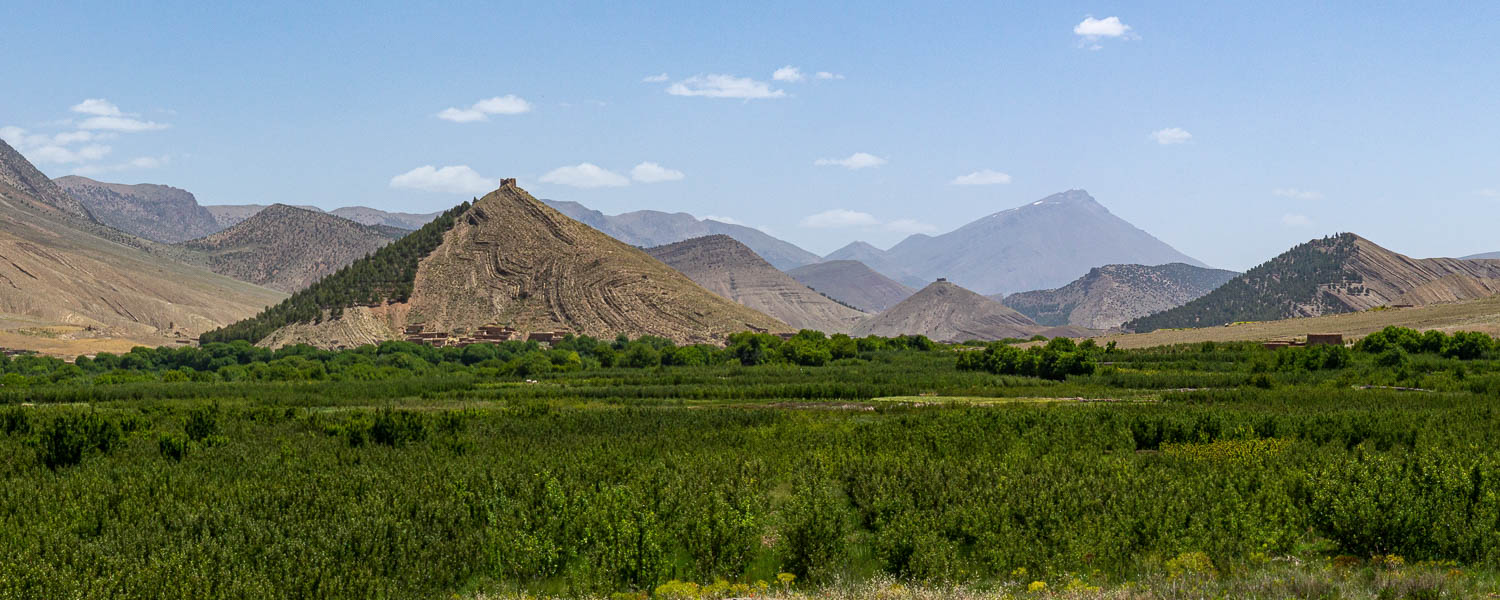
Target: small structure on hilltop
[(546, 337)]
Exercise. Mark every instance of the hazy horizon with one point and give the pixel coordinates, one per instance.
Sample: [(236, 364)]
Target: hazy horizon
[(1230, 133)]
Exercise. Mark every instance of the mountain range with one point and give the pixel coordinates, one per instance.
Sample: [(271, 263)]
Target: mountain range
[(60, 266), (1042, 245), (649, 228), (508, 259), (730, 269), (1336, 274), (1110, 295), (155, 212)]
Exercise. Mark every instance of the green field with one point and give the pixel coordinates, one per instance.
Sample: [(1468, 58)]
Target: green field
[(816, 467)]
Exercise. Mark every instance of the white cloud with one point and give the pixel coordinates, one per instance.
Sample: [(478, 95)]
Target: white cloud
[(585, 175), (982, 177), (1106, 27), (1171, 135), (509, 104), (122, 124), (1292, 220), (724, 86), (650, 172), (1489, 193), (140, 162), (858, 160), (61, 155), (98, 107), (1297, 194), (727, 220), (839, 217), (458, 179), (788, 73), (910, 226), (655, 78), (827, 75)]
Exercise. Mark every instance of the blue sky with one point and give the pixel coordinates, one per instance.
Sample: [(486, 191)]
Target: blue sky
[(1229, 131)]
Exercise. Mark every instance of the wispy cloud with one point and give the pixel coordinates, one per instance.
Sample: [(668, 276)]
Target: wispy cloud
[(839, 218), (1489, 192), (721, 219), (121, 124), (97, 107), (910, 226), (458, 179), (827, 75), (789, 74), (585, 175), (56, 148), (509, 104), (724, 86), (1295, 220), (982, 177), (1297, 194), (140, 162), (858, 160), (1171, 135), (650, 172), (660, 78)]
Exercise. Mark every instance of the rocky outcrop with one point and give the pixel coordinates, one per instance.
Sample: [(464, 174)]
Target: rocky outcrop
[(155, 212), (1110, 295)]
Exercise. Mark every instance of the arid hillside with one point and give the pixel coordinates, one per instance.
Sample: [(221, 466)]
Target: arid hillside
[(155, 212), (732, 270), (1110, 295), (509, 259), (946, 312), (288, 248), (55, 269), (1332, 275), (853, 283)]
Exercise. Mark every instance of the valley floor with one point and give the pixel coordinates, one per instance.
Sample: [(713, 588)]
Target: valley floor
[(1201, 471)]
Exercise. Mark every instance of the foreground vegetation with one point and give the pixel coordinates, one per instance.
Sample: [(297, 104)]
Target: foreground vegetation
[(762, 469)]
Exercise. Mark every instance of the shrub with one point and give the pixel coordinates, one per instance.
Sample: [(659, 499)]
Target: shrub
[(202, 422), (172, 446), (66, 440)]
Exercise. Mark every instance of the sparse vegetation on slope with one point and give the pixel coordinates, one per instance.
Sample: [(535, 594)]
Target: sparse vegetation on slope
[(1337, 274), (385, 276), (1113, 294), (288, 248)]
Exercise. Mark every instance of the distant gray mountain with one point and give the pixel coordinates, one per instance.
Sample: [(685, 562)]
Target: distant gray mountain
[(1041, 245), (853, 283), (229, 215), (1485, 256), (650, 228), (879, 260), (155, 212)]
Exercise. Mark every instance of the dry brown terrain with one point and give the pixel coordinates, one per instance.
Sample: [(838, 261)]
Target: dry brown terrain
[(946, 312), (155, 212), (56, 270), (732, 270), (854, 283), (1110, 295), (288, 248), (1474, 315), (512, 260)]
